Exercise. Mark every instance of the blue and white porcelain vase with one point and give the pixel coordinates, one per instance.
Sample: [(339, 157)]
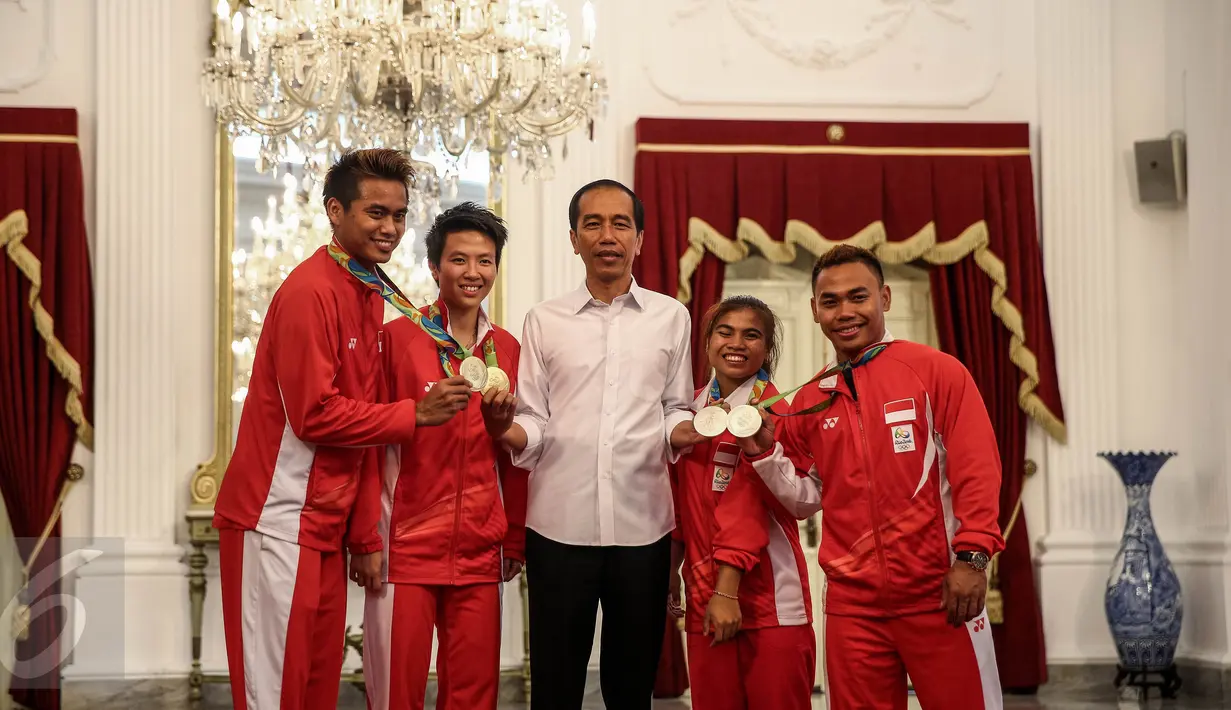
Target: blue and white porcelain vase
[(1143, 602)]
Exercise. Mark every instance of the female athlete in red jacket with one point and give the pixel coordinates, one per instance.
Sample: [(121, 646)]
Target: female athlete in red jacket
[(749, 612), (454, 508)]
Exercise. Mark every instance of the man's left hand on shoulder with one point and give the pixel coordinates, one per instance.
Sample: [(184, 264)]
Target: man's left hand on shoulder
[(964, 590)]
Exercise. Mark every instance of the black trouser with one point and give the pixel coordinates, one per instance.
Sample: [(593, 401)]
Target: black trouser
[(567, 583)]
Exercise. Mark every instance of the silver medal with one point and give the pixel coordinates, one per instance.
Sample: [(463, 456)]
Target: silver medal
[(475, 372), (744, 421), (710, 421), (496, 380)]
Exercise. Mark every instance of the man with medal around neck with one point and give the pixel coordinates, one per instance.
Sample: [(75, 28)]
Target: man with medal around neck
[(293, 494), (453, 514), (604, 404), (904, 463)]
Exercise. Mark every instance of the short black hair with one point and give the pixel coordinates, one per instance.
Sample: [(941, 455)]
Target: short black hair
[(848, 254), (574, 206), (460, 218), (342, 180)]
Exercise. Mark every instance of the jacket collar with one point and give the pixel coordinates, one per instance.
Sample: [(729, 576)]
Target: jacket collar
[(834, 382), (484, 324), (738, 397)]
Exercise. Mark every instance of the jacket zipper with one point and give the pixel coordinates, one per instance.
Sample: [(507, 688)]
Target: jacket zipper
[(457, 501), (875, 508)]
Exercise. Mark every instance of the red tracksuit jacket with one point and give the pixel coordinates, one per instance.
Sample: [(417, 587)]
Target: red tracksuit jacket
[(909, 474), (453, 504), (722, 518), (310, 412)]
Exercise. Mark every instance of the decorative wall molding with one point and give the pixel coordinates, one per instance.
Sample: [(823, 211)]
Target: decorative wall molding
[(13, 78), (1075, 72), (1081, 549), (893, 53), (136, 488)]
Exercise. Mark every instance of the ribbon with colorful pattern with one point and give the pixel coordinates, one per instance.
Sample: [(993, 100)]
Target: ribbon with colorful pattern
[(394, 297), (489, 345), (758, 388), (861, 360)]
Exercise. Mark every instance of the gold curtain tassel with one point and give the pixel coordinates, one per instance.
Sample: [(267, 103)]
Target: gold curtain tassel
[(21, 622), (995, 606)]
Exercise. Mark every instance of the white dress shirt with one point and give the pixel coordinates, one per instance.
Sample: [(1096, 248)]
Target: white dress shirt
[(600, 388)]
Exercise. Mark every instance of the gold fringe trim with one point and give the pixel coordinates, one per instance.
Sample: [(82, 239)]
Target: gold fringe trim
[(828, 150), (35, 138), (702, 237), (13, 229)]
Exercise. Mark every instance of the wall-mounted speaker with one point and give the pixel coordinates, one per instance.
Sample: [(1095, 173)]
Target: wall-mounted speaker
[(1161, 177)]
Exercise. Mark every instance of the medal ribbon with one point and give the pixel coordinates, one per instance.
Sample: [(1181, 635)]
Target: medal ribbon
[(444, 341), (758, 388), (489, 345), (863, 359)]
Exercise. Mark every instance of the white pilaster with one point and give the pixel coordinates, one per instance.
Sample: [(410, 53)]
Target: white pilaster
[(1078, 161), (1077, 165), (141, 92), (135, 273)]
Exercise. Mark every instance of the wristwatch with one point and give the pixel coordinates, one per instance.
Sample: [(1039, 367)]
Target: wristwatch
[(977, 560)]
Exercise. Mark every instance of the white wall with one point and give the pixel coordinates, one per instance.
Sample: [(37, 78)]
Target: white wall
[(1112, 73), (1091, 75)]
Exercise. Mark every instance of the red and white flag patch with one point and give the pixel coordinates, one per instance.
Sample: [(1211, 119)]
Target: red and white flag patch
[(900, 410)]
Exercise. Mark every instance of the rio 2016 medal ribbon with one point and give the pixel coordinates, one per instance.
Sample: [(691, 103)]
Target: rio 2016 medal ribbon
[(744, 421), (496, 380), (432, 323), (475, 372), (710, 421)]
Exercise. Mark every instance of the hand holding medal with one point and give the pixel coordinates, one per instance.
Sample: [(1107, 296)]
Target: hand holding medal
[(498, 406)]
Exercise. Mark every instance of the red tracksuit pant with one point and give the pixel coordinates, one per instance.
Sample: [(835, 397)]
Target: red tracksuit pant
[(397, 646), (760, 669), (867, 661), (284, 614)]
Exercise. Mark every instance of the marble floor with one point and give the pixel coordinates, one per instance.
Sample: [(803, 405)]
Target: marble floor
[(163, 694)]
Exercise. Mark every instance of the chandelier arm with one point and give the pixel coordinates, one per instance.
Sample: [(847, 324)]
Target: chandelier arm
[(490, 92), (518, 108), (258, 123), (551, 129), (311, 82)]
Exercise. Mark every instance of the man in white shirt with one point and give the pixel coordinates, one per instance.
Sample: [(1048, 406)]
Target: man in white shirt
[(605, 389)]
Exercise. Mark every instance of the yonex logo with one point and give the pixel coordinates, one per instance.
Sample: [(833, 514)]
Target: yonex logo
[(830, 423)]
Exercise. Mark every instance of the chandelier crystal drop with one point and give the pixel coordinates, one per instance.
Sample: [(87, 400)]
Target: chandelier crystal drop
[(423, 76)]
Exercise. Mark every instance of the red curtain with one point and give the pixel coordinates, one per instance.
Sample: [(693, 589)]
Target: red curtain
[(672, 678), (46, 344), (958, 197), (983, 347)]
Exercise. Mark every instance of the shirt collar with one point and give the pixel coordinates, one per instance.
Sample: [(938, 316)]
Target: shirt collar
[(484, 324), (581, 297), (738, 397)]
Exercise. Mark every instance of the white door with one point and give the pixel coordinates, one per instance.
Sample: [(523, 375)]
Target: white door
[(805, 351)]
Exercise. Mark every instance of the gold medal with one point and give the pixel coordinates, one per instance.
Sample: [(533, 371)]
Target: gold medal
[(475, 372), (744, 421), (710, 421), (496, 380)]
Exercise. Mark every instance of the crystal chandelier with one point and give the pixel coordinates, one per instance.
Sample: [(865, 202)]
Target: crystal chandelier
[(422, 76), (292, 230)]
